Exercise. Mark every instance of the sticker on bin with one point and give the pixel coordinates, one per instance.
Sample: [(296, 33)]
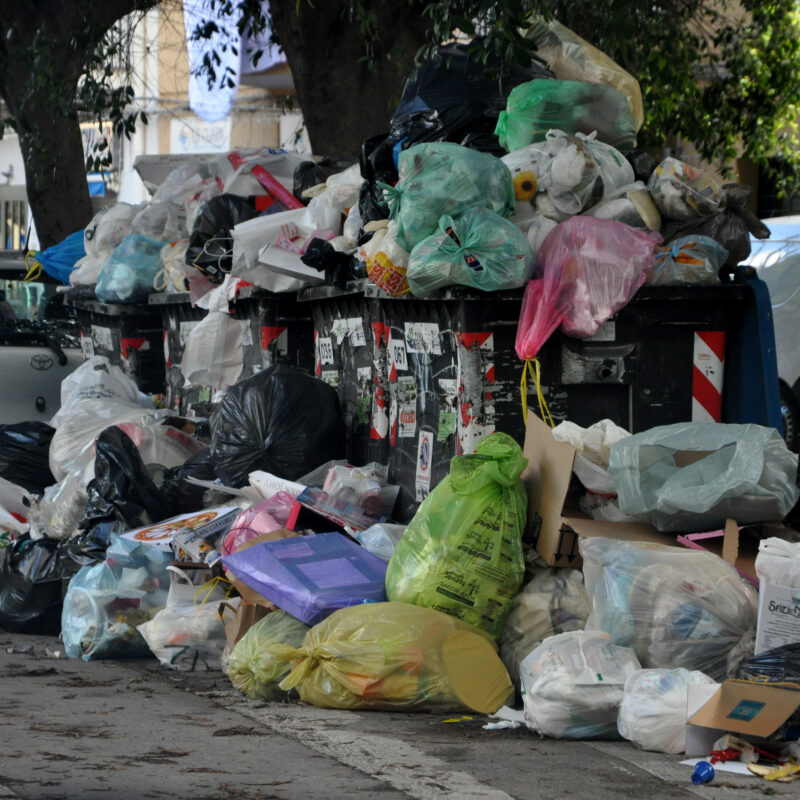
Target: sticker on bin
[(423, 337), (312, 578), (708, 372), (87, 346), (102, 337), (424, 464)]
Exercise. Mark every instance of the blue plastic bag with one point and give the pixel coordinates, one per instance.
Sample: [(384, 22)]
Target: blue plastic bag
[(59, 260), (105, 602), (128, 274)]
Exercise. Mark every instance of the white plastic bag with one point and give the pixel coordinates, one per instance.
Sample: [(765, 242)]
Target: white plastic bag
[(742, 472), (14, 499), (213, 355), (386, 261), (572, 685), (778, 562), (233, 169), (108, 228), (674, 606), (594, 449), (554, 602), (654, 707), (165, 221)]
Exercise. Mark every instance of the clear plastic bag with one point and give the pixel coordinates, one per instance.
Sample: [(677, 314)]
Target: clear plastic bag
[(396, 656), (165, 221), (478, 249), (675, 607), (541, 105), (573, 59), (690, 260), (553, 602), (443, 178), (106, 602), (586, 270), (252, 667), (742, 472), (684, 192), (128, 274), (381, 540), (462, 552), (572, 685), (188, 633), (654, 708)]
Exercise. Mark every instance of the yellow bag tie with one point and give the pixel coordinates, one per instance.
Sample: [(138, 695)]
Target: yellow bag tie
[(207, 589), (533, 366), (34, 271)]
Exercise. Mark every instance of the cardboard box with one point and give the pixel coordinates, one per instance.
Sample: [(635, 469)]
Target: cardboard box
[(240, 619), (700, 740), (556, 530), (746, 708), (778, 617)]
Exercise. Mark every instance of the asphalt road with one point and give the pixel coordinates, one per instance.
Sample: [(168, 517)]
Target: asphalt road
[(127, 729)]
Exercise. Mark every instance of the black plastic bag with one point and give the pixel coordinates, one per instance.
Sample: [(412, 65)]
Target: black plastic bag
[(210, 243), (312, 173), (280, 420), (731, 226), (780, 664), (121, 490), (182, 495), (339, 268), (30, 586), (25, 454), (643, 164), (454, 97)]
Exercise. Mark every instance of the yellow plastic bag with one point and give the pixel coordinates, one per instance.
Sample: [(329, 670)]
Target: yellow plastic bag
[(572, 58), (394, 655)]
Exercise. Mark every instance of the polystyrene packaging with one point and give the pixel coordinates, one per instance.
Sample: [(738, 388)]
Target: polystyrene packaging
[(573, 59), (438, 178), (778, 562), (675, 607), (553, 602), (462, 552), (541, 105), (396, 656), (253, 669), (694, 260), (742, 472), (684, 192), (573, 172), (478, 249), (572, 685), (653, 710), (586, 270)]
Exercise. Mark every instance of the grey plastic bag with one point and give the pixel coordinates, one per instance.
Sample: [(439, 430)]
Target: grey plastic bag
[(692, 476)]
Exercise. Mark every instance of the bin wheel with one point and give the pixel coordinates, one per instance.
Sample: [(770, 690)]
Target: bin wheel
[(790, 416)]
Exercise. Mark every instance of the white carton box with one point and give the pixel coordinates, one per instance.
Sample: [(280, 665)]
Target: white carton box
[(778, 617)]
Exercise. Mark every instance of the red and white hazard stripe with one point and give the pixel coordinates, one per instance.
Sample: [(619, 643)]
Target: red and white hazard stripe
[(707, 376)]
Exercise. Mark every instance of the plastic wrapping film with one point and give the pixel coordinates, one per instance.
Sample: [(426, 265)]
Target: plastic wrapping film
[(675, 607), (311, 576)]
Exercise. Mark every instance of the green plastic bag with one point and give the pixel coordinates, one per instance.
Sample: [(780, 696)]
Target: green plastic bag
[(462, 552), (253, 669), (439, 178), (479, 249), (570, 106)]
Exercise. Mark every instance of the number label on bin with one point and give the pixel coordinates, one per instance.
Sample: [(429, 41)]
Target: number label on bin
[(398, 350), (325, 350)]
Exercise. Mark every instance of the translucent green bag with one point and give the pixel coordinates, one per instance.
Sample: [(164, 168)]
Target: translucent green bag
[(253, 669), (571, 106), (479, 249), (462, 552), (439, 178)]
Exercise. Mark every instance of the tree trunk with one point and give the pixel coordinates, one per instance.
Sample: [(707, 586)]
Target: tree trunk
[(344, 101)]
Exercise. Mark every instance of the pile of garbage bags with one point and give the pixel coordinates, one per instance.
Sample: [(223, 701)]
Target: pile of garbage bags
[(252, 546)]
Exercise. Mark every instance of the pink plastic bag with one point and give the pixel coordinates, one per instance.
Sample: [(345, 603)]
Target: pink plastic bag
[(248, 525), (587, 269)]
